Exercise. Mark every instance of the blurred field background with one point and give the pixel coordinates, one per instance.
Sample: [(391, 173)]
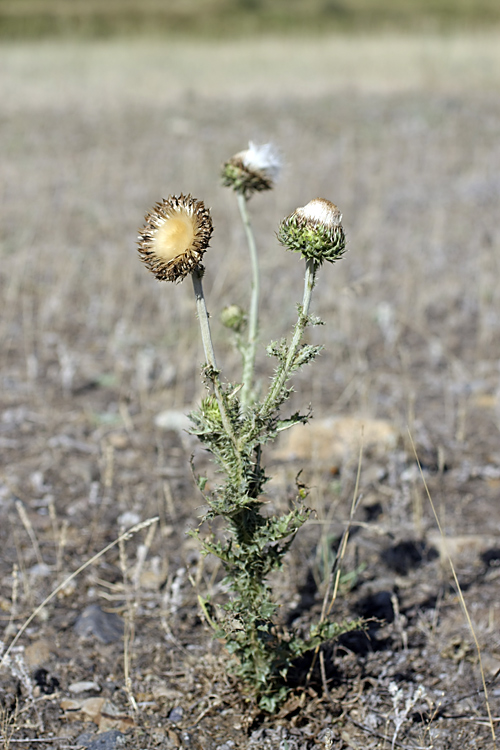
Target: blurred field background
[(401, 131), (391, 111), (35, 18)]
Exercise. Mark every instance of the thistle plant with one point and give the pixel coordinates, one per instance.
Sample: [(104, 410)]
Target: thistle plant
[(234, 423), (253, 170)]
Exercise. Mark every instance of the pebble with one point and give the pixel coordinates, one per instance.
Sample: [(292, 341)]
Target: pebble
[(175, 714), (332, 440), (105, 741), (37, 653), (129, 518), (118, 440), (83, 687), (106, 626), (40, 570)]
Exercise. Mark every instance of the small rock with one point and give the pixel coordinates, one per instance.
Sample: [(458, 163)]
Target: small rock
[(175, 714), (118, 440), (99, 710), (37, 653), (373, 474), (106, 741), (37, 482), (106, 626), (491, 664), (463, 549), (40, 570), (332, 440), (129, 518), (83, 687), (84, 739), (162, 691)]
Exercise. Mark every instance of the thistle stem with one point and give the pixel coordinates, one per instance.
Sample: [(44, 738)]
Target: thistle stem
[(283, 372), (201, 309), (253, 324)]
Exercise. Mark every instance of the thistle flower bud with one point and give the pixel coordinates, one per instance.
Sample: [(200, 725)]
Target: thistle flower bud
[(211, 412), (175, 237), (233, 317), (315, 231), (253, 170)]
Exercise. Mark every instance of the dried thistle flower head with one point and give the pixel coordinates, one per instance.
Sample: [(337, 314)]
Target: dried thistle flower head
[(175, 237), (315, 231), (253, 170)]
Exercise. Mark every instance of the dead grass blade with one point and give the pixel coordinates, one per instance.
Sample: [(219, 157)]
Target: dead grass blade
[(126, 535), (459, 590), (337, 565)]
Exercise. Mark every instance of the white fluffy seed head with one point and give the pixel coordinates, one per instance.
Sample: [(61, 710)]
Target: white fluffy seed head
[(264, 158), (253, 170)]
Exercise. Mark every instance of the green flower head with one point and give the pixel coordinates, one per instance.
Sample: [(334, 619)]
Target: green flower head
[(315, 231)]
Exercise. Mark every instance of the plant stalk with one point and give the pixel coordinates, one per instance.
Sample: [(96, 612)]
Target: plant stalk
[(253, 322), (201, 309), (283, 372)]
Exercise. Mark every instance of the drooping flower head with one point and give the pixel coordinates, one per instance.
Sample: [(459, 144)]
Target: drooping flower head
[(175, 237), (315, 231), (253, 170)]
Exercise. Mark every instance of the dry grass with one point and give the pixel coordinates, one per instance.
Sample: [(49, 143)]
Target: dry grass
[(402, 133), (157, 73), (93, 134)]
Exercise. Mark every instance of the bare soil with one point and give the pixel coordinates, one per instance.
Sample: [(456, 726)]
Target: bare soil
[(93, 349)]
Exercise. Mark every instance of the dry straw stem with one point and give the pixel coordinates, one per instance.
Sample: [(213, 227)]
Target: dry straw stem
[(14, 596), (337, 565), (132, 601), (30, 530), (129, 634), (123, 537), (8, 721), (459, 590), (345, 537)]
